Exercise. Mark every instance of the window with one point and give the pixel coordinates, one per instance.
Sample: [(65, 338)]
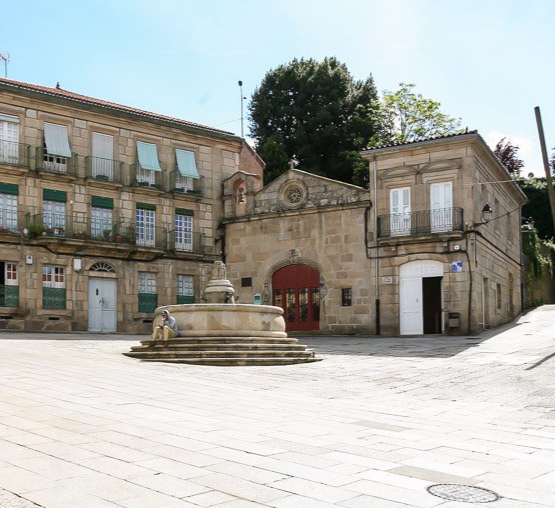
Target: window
[(145, 217), (187, 173), (53, 287), (246, 282), (148, 298), (498, 287), (9, 285), (9, 138), (346, 297), (101, 223), (102, 151), (441, 212), (102, 218), (54, 216), (400, 211), (148, 165), (56, 148), (8, 207), (185, 289), (184, 230)]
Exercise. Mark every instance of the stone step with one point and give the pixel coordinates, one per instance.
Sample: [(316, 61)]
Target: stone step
[(235, 362), (172, 346), (168, 353), (229, 340)]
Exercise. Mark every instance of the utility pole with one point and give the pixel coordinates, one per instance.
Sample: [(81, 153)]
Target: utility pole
[(5, 57), (240, 83), (548, 179)]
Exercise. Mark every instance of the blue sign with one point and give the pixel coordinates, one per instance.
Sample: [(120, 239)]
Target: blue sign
[(456, 266)]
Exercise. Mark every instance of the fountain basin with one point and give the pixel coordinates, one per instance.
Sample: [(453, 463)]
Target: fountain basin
[(226, 320)]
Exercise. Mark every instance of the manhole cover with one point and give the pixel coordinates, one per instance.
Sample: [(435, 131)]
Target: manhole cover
[(463, 493)]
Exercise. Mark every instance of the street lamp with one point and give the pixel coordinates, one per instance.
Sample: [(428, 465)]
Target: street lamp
[(487, 212)]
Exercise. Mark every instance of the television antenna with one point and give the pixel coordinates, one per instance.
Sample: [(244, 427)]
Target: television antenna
[(5, 57)]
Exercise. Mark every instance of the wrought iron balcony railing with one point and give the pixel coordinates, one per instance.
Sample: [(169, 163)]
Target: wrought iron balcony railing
[(103, 169), (56, 163), (12, 221), (146, 178), (180, 241), (15, 154), (186, 184), (425, 222)]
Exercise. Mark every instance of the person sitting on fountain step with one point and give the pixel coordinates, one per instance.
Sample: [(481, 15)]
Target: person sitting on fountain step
[(166, 330)]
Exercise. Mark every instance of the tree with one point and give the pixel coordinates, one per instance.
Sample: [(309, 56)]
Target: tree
[(507, 154), (316, 115), (538, 206), (406, 116)]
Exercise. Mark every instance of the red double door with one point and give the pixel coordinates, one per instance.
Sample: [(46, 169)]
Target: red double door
[(297, 292)]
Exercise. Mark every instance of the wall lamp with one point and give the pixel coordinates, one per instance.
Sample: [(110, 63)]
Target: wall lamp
[(487, 212)]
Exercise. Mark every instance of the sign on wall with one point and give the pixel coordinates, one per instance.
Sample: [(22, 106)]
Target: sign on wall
[(457, 266)]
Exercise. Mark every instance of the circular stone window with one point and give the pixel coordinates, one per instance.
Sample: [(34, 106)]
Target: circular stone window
[(293, 194)]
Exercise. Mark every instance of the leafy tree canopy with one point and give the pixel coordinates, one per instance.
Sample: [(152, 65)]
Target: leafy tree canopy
[(538, 206), (407, 116), (315, 114), (507, 154)]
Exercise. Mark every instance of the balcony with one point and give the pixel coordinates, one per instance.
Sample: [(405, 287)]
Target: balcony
[(106, 170), (56, 163), (145, 178), (12, 221), (186, 184), (194, 243), (15, 154), (426, 222)]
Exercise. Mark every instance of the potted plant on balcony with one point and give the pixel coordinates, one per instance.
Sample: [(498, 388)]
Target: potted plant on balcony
[(36, 230)]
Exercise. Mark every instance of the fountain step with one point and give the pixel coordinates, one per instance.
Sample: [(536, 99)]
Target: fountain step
[(219, 347), (228, 340), (168, 353), (236, 362)]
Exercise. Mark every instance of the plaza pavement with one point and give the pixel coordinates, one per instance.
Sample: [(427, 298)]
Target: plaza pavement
[(371, 426)]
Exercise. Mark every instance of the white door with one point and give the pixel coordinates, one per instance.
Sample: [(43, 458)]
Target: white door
[(399, 200), (410, 302), (441, 212), (102, 305), (102, 155)]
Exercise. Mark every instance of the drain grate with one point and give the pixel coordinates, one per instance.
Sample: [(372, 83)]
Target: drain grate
[(463, 493)]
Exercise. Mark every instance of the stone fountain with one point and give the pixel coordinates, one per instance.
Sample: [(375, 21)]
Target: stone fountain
[(223, 332)]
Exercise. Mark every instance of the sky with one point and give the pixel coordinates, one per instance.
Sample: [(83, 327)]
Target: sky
[(488, 62)]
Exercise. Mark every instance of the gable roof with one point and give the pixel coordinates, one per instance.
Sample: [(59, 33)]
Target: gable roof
[(431, 139), (66, 95)]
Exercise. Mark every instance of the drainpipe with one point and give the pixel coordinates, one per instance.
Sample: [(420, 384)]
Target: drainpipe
[(377, 258)]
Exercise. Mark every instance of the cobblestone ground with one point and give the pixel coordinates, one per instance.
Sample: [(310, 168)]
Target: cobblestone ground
[(373, 425)]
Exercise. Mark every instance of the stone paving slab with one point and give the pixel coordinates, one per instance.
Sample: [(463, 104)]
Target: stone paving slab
[(373, 425)]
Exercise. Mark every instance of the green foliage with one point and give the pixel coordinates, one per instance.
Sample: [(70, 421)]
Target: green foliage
[(531, 247), (315, 114), (507, 154), (538, 206), (405, 116)]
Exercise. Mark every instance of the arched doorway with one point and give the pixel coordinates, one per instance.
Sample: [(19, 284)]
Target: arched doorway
[(420, 298), (102, 298), (297, 291)]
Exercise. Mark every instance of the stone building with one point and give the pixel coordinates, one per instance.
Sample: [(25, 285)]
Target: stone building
[(445, 237), (411, 256), (106, 211), (299, 243)]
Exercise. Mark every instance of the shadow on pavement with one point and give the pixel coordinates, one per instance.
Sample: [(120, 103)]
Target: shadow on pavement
[(420, 347)]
